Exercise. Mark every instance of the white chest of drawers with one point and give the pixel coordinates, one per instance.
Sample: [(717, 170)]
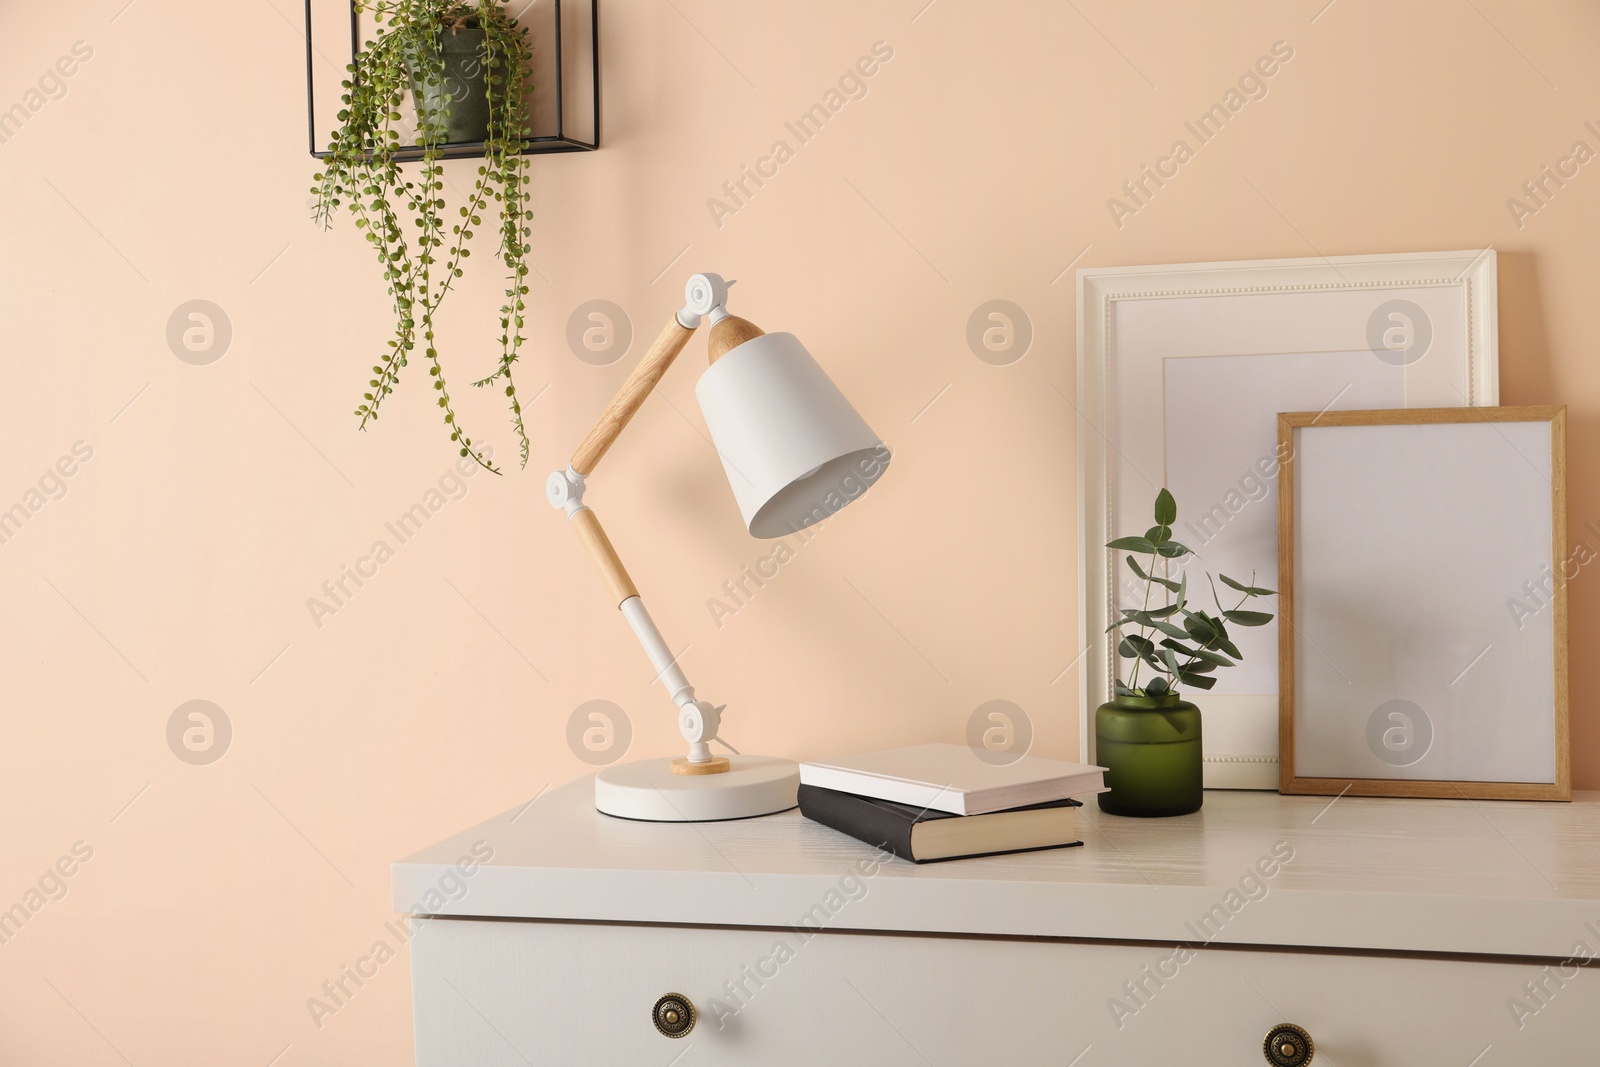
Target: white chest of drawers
[(1394, 932)]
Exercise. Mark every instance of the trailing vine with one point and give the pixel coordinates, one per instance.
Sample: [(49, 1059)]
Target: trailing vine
[(362, 174)]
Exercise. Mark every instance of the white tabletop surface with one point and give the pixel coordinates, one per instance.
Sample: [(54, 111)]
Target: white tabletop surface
[(1405, 875)]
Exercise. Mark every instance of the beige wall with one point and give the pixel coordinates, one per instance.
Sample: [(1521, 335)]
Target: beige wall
[(179, 562)]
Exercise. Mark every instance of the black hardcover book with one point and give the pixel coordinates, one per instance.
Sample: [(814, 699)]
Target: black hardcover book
[(926, 836)]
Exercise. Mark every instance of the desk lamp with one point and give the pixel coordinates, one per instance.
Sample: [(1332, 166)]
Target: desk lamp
[(795, 452)]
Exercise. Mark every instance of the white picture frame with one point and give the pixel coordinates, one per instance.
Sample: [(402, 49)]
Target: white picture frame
[(1224, 347)]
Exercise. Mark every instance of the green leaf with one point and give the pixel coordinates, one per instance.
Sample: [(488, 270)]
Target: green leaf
[(1169, 629), (1216, 659), (1124, 691), (1171, 660), (1248, 618), (1252, 590), (1133, 647), (1199, 628), (1180, 647), (1166, 508), (1199, 653), (1152, 618), (1199, 681), (1132, 544), (1163, 613), (1222, 640), (1156, 687), (1215, 599), (1163, 582), (1158, 534), (1172, 549)]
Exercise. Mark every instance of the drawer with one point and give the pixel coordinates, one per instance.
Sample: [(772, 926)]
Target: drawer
[(512, 993)]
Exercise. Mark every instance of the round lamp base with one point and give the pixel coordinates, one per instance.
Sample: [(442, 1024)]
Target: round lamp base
[(649, 790)]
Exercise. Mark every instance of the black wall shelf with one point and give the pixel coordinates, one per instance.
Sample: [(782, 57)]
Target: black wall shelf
[(566, 94)]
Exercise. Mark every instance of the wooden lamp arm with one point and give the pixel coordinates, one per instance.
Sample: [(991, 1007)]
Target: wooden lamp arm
[(606, 561), (633, 393), (697, 720), (600, 438)]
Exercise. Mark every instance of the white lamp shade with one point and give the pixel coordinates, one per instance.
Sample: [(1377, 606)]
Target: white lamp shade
[(794, 449)]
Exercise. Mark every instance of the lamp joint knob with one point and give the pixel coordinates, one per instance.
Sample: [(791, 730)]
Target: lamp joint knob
[(702, 294), (564, 489), (699, 720)]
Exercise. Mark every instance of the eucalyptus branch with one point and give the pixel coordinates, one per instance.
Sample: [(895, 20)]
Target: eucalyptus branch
[(1144, 632), (1188, 653)]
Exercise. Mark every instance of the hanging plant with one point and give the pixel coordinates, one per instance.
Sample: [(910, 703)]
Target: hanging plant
[(466, 66)]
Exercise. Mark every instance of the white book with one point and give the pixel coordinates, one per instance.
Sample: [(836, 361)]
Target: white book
[(954, 778)]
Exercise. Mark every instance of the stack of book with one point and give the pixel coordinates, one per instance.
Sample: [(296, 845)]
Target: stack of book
[(945, 802)]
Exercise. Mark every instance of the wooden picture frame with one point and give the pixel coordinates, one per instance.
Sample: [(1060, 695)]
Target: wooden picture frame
[(1182, 370), (1461, 517)]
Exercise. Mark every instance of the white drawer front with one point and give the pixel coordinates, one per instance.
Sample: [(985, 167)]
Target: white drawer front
[(492, 993)]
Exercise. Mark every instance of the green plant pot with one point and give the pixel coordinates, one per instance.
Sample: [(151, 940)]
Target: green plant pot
[(459, 99), (1150, 748)]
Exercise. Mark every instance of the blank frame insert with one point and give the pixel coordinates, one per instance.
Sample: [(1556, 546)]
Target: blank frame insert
[(1423, 565)]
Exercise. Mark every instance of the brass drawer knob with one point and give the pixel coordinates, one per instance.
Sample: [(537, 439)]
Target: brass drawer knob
[(673, 1015), (1287, 1045)]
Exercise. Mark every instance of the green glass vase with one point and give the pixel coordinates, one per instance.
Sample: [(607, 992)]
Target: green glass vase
[(1150, 748)]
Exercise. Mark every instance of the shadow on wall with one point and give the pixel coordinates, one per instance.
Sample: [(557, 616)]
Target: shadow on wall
[(1526, 377)]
